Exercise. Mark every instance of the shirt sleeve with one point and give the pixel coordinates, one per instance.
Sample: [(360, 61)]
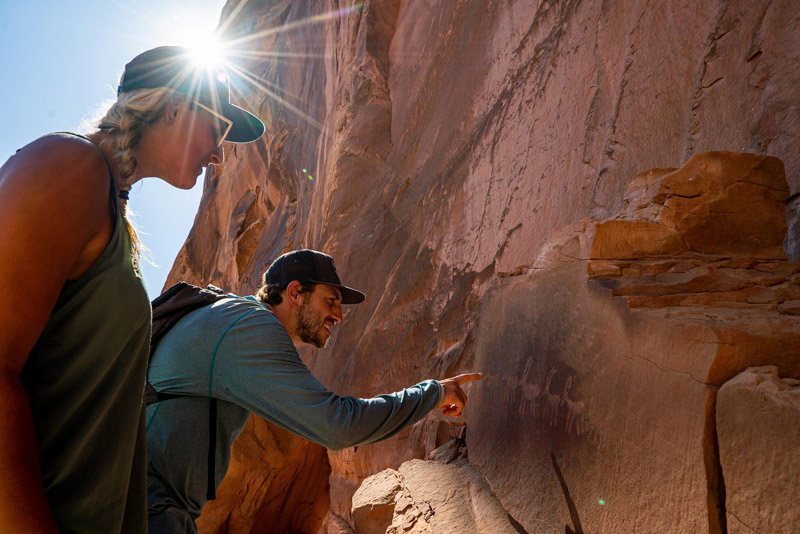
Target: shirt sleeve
[(258, 368)]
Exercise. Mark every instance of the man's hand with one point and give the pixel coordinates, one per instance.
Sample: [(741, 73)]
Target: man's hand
[(454, 396)]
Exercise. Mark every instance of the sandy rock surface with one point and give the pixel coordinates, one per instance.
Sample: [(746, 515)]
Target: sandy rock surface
[(425, 497), (476, 168), (622, 339), (277, 483), (758, 420)]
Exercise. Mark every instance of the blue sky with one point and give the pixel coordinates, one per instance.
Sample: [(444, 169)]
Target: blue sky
[(62, 59)]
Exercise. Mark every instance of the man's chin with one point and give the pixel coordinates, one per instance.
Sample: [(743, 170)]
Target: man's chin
[(318, 341)]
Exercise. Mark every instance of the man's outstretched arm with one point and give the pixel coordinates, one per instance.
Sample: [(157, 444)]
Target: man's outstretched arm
[(262, 372)]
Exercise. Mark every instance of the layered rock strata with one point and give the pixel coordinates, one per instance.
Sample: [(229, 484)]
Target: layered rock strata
[(434, 147), (616, 342)]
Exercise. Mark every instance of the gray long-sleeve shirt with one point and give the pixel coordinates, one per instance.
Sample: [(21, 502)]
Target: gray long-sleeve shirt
[(237, 351)]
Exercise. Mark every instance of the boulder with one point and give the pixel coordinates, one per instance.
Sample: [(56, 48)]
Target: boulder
[(426, 497), (374, 502), (758, 423)]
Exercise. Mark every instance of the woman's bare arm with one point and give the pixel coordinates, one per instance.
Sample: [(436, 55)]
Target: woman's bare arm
[(54, 215)]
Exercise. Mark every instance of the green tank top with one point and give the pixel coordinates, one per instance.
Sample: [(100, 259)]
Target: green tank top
[(85, 380)]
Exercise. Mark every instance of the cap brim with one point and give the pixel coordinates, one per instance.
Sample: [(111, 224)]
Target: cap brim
[(349, 295), (246, 126)]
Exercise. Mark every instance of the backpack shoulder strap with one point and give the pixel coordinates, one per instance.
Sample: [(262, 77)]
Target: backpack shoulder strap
[(177, 302), (170, 307)]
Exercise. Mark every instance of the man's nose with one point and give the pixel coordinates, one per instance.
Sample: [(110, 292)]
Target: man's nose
[(337, 313)]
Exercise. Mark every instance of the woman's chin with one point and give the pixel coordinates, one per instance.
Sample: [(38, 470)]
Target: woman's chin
[(186, 182), (190, 181)]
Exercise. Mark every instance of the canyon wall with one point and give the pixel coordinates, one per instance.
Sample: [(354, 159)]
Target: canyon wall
[(476, 169)]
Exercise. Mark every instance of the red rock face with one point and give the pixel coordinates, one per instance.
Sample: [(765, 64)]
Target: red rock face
[(616, 342), (277, 483), (758, 418), (448, 144)]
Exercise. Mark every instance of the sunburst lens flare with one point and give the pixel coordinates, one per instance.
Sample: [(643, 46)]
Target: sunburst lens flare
[(207, 52)]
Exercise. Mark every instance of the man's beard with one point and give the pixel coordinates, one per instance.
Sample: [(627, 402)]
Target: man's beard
[(311, 326)]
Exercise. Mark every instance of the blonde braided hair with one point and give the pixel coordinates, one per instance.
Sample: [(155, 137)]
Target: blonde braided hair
[(124, 123)]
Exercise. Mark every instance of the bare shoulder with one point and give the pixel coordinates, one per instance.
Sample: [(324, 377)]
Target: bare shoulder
[(54, 197), (54, 203), (57, 176), (60, 161)]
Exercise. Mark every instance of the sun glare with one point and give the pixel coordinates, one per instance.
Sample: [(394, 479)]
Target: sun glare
[(206, 51), (196, 29)]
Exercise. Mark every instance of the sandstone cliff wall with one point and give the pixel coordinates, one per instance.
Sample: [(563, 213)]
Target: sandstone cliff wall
[(434, 148)]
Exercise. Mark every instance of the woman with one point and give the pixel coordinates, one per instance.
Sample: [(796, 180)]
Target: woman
[(75, 316)]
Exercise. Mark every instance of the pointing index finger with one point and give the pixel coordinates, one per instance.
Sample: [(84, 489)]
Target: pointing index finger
[(468, 377)]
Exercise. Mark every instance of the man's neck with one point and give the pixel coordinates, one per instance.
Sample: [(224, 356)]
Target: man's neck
[(287, 319)]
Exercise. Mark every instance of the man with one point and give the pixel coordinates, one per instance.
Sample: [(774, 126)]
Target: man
[(242, 351)]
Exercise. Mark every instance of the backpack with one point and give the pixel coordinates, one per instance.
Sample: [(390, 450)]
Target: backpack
[(169, 308)]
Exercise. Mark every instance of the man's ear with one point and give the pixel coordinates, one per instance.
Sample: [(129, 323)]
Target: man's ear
[(294, 294)]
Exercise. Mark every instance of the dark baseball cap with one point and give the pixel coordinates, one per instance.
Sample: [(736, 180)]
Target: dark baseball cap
[(309, 266), (174, 68)]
